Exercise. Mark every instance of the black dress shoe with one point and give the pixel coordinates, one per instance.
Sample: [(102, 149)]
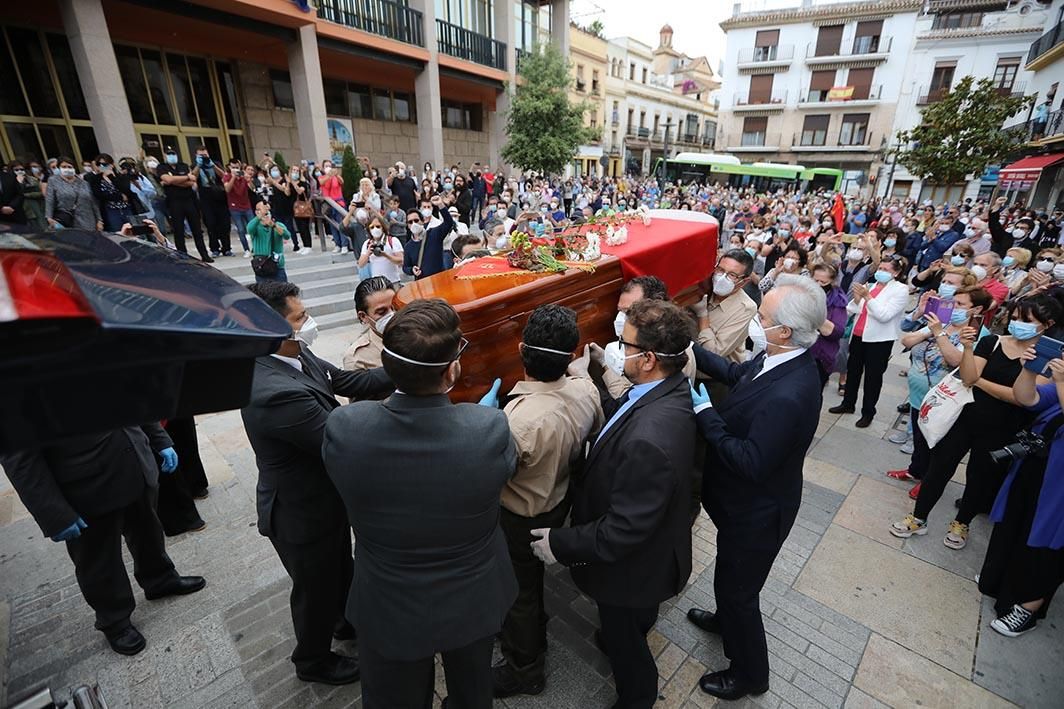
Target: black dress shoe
[(841, 409), (127, 641), (705, 620), (207, 259), (904, 407), (335, 670), (200, 494), (725, 686), (177, 586), (864, 422), (344, 631), (506, 682)]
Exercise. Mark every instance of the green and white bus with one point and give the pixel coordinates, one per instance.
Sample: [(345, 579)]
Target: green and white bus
[(762, 176)]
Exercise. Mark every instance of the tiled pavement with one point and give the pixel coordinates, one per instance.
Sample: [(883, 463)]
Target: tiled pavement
[(855, 617)]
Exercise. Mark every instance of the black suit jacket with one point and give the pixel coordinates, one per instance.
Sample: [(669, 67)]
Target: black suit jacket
[(421, 479), (285, 422), (757, 443), (629, 543), (86, 476), (12, 195)]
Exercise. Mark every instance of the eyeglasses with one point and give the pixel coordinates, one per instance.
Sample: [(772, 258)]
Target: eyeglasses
[(463, 343), (622, 343), (734, 278)]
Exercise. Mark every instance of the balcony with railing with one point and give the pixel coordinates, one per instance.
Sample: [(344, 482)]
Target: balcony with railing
[(1034, 131), (862, 96), (867, 48), (708, 141), (1046, 49), (1015, 90), (385, 18), (928, 95), (753, 142), (778, 55), (859, 140), (747, 101), (461, 43)]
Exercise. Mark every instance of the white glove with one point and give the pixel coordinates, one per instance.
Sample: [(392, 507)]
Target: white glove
[(579, 366), (701, 308), (541, 546)]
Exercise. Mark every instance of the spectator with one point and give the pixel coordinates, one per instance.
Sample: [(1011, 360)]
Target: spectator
[(826, 349), (267, 241), (424, 252), (382, 252), (111, 189), (331, 185), (404, 187), (69, 202), (181, 205), (213, 202)]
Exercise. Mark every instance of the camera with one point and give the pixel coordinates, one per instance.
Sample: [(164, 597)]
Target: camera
[(377, 249), (1027, 445)]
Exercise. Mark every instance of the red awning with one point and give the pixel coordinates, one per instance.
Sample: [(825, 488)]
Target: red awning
[(1023, 174)]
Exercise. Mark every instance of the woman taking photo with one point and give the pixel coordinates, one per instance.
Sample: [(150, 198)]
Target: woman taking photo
[(988, 423), (111, 189), (1024, 562), (826, 348), (69, 202), (382, 252)]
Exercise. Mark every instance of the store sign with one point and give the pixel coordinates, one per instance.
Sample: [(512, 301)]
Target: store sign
[(840, 93), (1021, 180)]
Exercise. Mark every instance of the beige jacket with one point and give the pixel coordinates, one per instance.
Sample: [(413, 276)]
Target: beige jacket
[(365, 351), (729, 324)]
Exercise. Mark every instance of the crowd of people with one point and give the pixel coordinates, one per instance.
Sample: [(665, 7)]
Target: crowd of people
[(602, 456)]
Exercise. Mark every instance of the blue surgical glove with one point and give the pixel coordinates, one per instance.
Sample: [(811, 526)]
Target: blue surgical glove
[(700, 397), (492, 397), (71, 532), (169, 456)]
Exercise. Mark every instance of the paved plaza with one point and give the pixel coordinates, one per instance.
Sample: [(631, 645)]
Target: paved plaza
[(855, 617)]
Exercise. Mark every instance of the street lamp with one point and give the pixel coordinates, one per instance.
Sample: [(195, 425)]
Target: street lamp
[(665, 155)]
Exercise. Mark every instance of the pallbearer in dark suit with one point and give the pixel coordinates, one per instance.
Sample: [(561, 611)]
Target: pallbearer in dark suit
[(421, 479), (91, 491), (299, 509), (753, 479), (629, 543)]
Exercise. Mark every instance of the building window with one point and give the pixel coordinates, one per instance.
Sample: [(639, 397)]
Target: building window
[(594, 81), (861, 82), (766, 42), (820, 84), (866, 39), (854, 129), (1005, 74), (580, 85), (359, 101), (282, 90), (754, 130), (941, 80), (631, 71), (760, 89), (644, 75), (815, 130), (532, 23), (957, 20), (462, 116), (828, 40)]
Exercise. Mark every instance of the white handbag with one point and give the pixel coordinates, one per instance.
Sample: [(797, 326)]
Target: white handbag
[(942, 406)]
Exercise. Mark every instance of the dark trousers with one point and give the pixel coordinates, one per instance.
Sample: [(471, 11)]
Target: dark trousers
[(408, 684), (869, 359), (176, 506), (321, 573), (624, 637), (183, 433), (921, 457), (824, 373), (216, 217), (98, 565), (743, 563), (290, 224), (983, 477), (180, 210), (303, 226), (524, 632)]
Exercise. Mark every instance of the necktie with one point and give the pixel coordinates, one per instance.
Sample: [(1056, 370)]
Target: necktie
[(755, 369)]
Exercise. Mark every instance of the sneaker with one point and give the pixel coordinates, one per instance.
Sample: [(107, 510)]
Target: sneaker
[(898, 437), (957, 536), (336, 249), (908, 447), (904, 407), (908, 527), (247, 254), (215, 254), (344, 250), (1014, 623), (915, 491), (306, 250), (902, 474)]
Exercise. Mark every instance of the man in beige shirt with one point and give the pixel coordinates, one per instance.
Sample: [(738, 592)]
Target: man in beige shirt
[(724, 317), (551, 416), (639, 288), (373, 305)]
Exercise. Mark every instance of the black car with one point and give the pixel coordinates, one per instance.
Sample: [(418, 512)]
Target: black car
[(99, 330)]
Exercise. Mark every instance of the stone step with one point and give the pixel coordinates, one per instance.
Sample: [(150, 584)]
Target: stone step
[(339, 318), (304, 274)]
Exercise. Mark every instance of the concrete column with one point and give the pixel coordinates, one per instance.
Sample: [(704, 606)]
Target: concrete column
[(427, 92), (559, 26), (309, 94), (94, 58), (504, 32)]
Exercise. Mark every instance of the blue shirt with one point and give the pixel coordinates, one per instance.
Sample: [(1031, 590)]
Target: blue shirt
[(634, 394)]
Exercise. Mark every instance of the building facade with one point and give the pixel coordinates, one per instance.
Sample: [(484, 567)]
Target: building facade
[(411, 80), (658, 102), (587, 65), (983, 39), (816, 85)]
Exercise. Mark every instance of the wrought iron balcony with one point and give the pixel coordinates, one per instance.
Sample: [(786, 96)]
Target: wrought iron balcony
[(380, 17), (1045, 43), (465, 44), (777, 53)]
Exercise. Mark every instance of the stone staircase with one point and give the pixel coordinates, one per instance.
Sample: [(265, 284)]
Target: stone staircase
[(327, 280)]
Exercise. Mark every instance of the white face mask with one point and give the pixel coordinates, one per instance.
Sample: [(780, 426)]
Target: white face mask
[(969, 232), (722, 285), (152, 164), (1044, 266), (757, 331), (789, 263), (1058, 272), (426, 213), (416, 229), (618, 323), (376, 232), (1019, 233), (308, 332), (615, 358), (380, 323), (979, 272), (855, 254)]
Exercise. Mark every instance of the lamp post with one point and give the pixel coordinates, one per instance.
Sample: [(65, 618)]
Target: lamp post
[(665, 154)]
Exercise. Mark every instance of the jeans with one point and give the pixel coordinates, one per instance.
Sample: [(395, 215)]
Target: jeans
[(339, 238), (113, 219), (240, 218), (162, 216)]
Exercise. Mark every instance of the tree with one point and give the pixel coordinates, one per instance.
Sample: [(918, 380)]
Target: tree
[(960, 134), (544, 127), (596, 28), (278, 160), (351, 171)]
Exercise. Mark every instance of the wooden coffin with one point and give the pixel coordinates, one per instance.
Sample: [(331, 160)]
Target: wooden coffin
[(494, 312)]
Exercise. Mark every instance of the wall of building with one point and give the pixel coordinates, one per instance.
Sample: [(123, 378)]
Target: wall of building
[(268, 129), (386, 142), (465, 146)]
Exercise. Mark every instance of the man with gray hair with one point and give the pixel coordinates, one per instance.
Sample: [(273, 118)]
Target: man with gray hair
[(752, 483)]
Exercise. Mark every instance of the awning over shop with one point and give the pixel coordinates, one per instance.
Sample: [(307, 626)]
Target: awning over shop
[(1022, 174)]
